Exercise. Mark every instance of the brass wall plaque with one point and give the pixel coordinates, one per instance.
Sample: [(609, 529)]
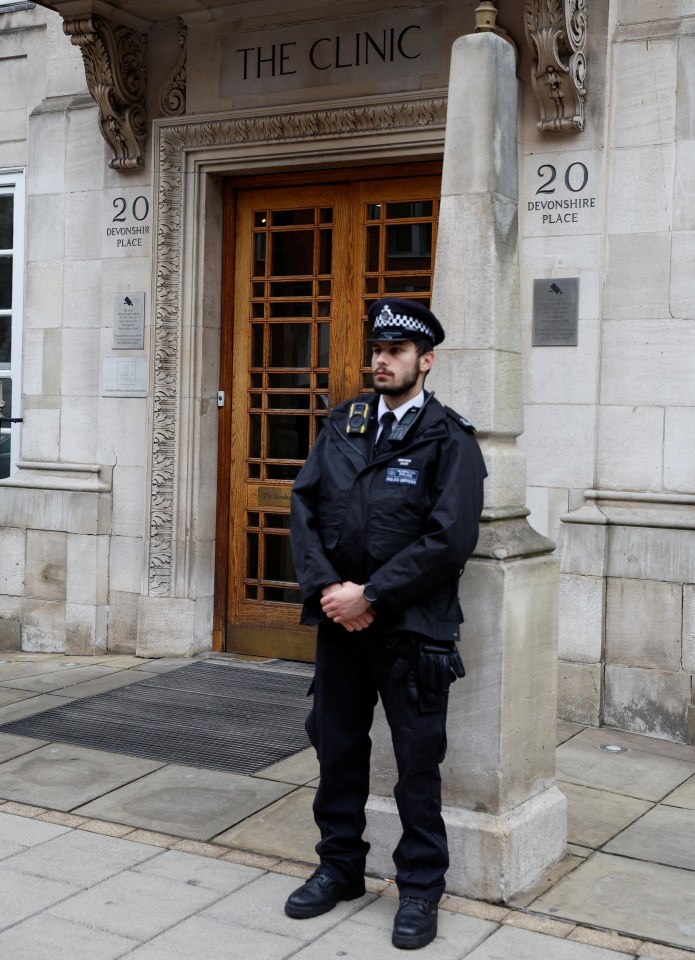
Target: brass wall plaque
[(269, 495), (555, 312)]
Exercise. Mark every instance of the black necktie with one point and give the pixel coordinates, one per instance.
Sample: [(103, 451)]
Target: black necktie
[(387, 421)]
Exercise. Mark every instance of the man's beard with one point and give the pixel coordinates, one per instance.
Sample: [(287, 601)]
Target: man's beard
[(397, 389)]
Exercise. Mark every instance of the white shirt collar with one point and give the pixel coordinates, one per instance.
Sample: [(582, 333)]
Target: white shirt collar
[(403, 409)]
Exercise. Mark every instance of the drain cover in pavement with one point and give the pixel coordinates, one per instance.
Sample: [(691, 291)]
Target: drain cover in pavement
[(239, 717)]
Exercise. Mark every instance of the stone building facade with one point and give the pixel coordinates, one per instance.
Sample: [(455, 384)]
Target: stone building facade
[(132, 135)]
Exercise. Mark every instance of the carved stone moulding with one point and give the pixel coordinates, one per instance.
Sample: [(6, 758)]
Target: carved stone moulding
[(175, 140), (115, 67), (172, 97), (556, 31)]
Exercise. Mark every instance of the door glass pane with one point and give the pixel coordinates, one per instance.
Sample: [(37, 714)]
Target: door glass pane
[(325, 251), (290, 308), (291, 218), (405, 284), (290, 344), (284, 381), (292, 288), (278, 558), (6, 209), (288, 437), (259, 255), (255, 436), (252, 556), (292, 253), (5, 342), (288, 401), (257, 345), (5, 283), (409, 246), (409, 210)]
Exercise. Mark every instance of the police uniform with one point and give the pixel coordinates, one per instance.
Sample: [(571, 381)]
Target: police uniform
[(404, 521)]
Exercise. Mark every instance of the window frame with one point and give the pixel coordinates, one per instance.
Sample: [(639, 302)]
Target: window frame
[(12, 184)]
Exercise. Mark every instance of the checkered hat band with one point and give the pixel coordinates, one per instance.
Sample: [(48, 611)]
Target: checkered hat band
[(399, 320)]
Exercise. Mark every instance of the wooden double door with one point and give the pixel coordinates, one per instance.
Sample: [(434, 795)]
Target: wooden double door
[(303, 263)]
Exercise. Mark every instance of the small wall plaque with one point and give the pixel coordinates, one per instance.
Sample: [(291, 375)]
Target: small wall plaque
[(124, 376), (555, 312), (128, 321)]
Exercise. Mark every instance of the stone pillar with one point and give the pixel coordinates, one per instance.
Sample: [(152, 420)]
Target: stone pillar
[(506, 819)]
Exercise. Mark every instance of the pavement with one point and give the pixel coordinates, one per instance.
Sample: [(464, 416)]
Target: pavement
[(105, 856)]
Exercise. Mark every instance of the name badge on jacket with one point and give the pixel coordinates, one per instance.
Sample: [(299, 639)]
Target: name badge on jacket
[(402, 476)]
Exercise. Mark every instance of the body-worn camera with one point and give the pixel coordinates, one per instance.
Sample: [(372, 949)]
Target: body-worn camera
[(358, 418)]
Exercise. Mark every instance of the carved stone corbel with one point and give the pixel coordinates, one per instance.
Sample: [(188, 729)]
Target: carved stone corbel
[(115, 68), (556, 31), (172, 98)]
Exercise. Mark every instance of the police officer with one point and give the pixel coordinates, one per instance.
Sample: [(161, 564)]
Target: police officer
[(385, 514)]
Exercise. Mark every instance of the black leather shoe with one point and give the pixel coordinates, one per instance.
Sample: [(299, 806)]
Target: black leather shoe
[(318, 895), (415, 924)]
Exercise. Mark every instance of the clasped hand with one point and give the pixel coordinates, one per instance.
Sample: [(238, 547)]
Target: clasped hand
[(344, 603)]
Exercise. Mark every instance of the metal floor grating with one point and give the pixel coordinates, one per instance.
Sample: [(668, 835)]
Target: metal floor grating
[(233, 716)]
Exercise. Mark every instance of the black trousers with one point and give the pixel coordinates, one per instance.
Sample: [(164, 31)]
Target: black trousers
[(352, 670)]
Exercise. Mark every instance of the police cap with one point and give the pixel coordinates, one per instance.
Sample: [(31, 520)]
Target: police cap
[(397, 320)]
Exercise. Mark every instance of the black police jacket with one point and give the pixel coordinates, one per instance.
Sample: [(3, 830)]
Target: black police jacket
[(406, 520)]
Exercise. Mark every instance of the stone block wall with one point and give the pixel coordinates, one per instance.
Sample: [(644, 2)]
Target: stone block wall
[(627, 618)]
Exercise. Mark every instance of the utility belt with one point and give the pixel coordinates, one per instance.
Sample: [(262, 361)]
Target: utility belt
[(429, 666)]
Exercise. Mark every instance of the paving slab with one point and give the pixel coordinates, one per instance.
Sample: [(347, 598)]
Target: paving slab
[(512, 942), (196, 871), (9, 849), (261, 904), (50, 938), (28, 706), (582, 761), (134, 905), (368, 934), (186, 801), (22, 895), (633, 897), (286, 829), (638, 742), (81, 858), (564, 731), (664, 835), (111, 681), (12, 746), (301, 768), (60, 679), (32, 668), (61, 776), (8, 696), (205, 936), (594, 816), (28, 832), (164, 665), (683, 796)]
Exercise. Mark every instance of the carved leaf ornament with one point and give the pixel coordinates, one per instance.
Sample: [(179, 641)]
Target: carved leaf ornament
[(556, 31), (172, 98), (115, 69)]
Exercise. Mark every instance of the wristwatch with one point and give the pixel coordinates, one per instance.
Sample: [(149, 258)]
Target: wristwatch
[(371, 594)]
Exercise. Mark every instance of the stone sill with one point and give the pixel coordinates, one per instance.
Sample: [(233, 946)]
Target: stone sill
[(78, 477), (627, 508)]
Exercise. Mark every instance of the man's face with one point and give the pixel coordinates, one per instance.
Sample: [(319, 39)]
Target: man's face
[(397, 369)]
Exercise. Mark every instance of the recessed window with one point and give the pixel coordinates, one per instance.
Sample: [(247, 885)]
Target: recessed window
[(11, 286)]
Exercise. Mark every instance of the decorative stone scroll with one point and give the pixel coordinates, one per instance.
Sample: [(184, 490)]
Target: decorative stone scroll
[(174, 142), (556, 32), (115, 67), (172, 98)]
